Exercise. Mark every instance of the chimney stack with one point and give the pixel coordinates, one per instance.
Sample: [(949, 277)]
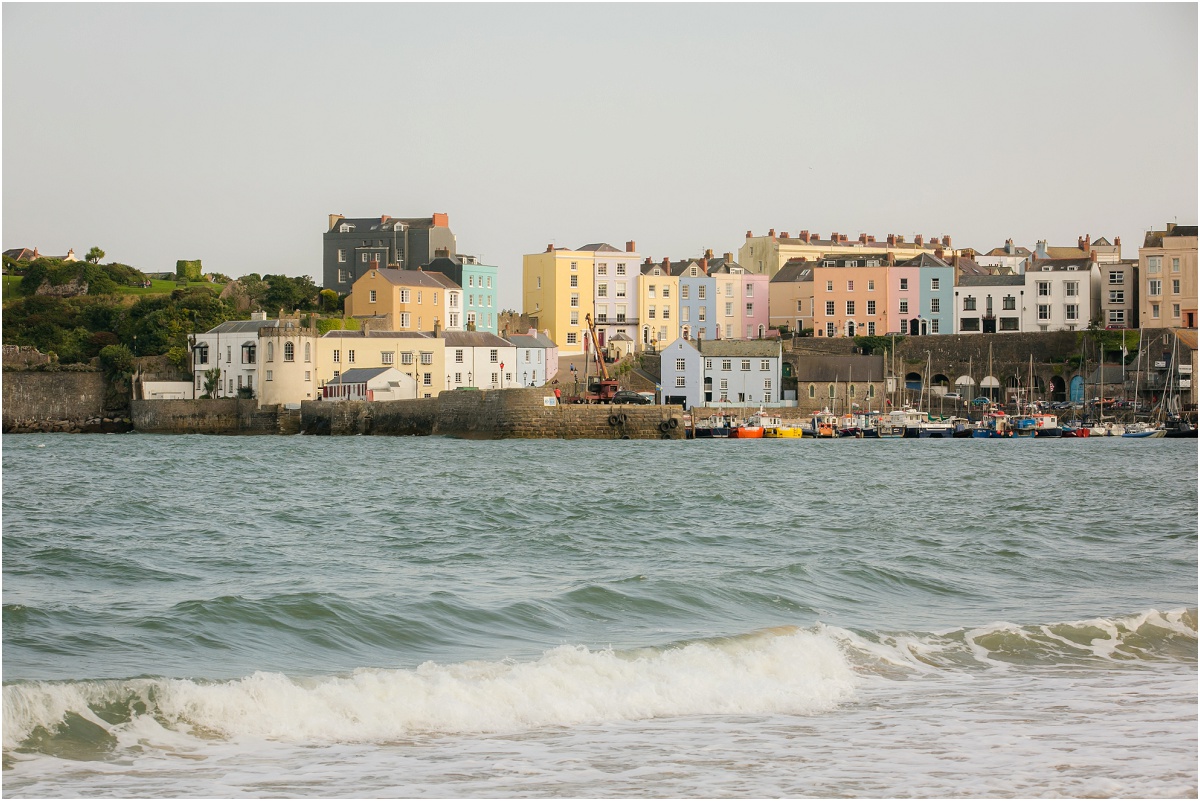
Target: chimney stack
[(771, 233), (919, 239), (631, 246), (834, 237), (704, 264), (1087, 242), (804, 237), (945, 241), (729, 258), (437, 328), (708, 254), (550, 248), (891, 240), (891, 258), (647, 261), (783, 235), (667, 264), (748, 234), (862, 239), (939, 253)]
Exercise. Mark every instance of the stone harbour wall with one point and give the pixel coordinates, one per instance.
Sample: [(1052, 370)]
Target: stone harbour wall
[(57, 401)]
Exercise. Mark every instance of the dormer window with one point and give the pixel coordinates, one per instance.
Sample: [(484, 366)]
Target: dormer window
[(345, 228), (1046, 269)]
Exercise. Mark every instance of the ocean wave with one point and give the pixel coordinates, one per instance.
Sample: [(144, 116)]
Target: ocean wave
[(784, 670)]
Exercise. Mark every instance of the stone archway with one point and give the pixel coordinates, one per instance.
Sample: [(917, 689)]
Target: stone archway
[(1058, 389), (939, 384), (990, 387)]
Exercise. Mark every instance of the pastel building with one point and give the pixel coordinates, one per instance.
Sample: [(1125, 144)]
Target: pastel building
[(767, 254), (559, 291), (616, 299), (407, 300), (790, 296), (537, 358), (480, 310), (1061, 294), (987, 304), (935, 295), (418, 355), (480, 359), (727, 277), (658, 298), (1167, 263), (275, 361), (697, 299), (853, 296)]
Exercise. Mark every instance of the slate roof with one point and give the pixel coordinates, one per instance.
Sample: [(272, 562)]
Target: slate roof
[(991, 280), (473, 339), (444, 280), (22, 254), (753, 348), (1080, 263), (794, 271), (923, 260), (346, 334), (840, 368), (243, 326), (600, 247), (1065, 252), (413, 278), (1016, 251), (971, 267), (538, 340), (721, 266), (359, 375), (377, 223)]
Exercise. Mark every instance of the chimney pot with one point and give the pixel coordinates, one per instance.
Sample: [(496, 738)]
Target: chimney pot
[(704, 264), (748, 234), (550, 248), (783, 235), (862, 238), (771, 233), (834, 237), (666, 264), (728, 258), (945, 241), (631, 246), (804, 237), (708, 254), (919, 239), (891, 240)]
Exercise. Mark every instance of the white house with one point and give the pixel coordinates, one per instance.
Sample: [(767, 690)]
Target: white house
[(536, 358), (274, 361), (1061, 294), (986, 304), (370, 384), (480, 359), (711, 372)]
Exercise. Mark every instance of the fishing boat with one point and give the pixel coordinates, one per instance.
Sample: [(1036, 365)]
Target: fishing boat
[(774, 428), (1076, 431), (824, 424), (1046, 425), (750, 428), (714, 427), (1143, 431), (994, 425), (1107, 429)]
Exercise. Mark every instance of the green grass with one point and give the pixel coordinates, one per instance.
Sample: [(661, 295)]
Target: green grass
[(12, 284)]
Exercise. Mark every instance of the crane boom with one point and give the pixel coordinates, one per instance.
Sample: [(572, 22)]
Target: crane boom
[(596, 347)]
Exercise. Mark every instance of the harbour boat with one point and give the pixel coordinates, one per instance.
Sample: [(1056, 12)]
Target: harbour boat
[(824, 424), (994, 425), (1046, 425), (774, 428), (714, 427), (1107, 429), (891, 425), (750, 428), (1076, 431), (1143, 431), (1179, 428)]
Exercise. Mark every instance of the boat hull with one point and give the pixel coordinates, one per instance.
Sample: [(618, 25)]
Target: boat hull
[(746, 432)]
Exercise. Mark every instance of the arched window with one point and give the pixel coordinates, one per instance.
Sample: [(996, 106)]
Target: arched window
[(270, 351), (852, 393), (308, 351), (870, 390), (812, 390), (832, 391), (289, 352)]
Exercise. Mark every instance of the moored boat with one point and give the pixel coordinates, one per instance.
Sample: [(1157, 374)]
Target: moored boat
[(774, 428), (824, 424), (750, 428)]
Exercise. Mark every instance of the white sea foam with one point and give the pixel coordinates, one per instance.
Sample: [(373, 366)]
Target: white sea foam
[(800, 672)]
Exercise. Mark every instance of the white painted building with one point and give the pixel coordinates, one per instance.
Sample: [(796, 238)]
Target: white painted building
[(480, 359), (1061, 295), (989, 304), (536, 359)]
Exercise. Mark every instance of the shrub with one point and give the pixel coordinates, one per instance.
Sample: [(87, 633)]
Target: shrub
[(188, 270), (116, 361)]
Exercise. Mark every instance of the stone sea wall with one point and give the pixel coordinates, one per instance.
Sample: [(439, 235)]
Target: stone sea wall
[(58, 401)]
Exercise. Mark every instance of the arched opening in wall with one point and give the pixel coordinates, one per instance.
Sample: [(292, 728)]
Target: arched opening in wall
[(965, 386), (812, 390), (939, 384), (1058, 389), (1013, 387), (989, 388), (687, 332), (1039, 388), (912, 381), (849, 328), (762, 331), (645, 335), (1077, 389)]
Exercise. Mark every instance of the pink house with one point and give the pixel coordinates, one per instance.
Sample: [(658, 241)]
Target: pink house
[(756, 311)]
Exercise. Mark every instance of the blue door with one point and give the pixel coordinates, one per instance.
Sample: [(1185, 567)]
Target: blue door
[(1077, 389)]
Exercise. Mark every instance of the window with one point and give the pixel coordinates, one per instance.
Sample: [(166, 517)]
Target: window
[(749, 309), (350, 356), (1043, 311), (849, 286), (935, 304), (289, 352), (621, 289), (1175, 286), (812, 390), (621, 312), (575, 318), (666, 292), (1116, 296), (202, 354), (708, 364), (1154, 310), (799, 307), (365, 257), (427, 380), (852, 263), (849, 308), (572, 338), (729, 309), (1153, 264), (1072, 288), (1154, 287), (871, 328), (968, 324), (904, 307), (1009, 323), (1010, 303), (650, 312), (620, 269), (650, 291), (666, 312), (405, 319), (832, 391), (426, 357), (493, 355), (681, 364), (680, 381), (601, 290), (829, 308), (903, 283), (828, 329), (458, 378), (458, 356), (828, 286), (683, 291), (574, 266), (1116, 316), (406, 358), (903, 326), (574, 301), (1175, 310), (764, 364), (343, 277), (1072, 311), (372, 296), (700, 316), (405, 295), (935, 284), (574, 281), (745, 365), (270, 375), (1174, 265), (228, 353), (749, 290), (700, 293), (470, 280), (1116, 277), (969, 303), (870, 307), (307, 376), (1043, 289), (337, 356), (601, 269)]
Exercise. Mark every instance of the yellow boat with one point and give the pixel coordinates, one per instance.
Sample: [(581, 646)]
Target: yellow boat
[(773, 428)]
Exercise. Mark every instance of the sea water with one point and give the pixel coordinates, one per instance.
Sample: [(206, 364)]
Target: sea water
[(403, 617)]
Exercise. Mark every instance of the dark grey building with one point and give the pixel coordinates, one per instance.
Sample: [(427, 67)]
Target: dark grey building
[(352, 244)]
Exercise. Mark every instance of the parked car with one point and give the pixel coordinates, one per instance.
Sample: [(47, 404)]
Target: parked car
[(629, 396), (952, 396)]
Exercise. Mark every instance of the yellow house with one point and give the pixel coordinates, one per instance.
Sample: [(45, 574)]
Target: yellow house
[(1167, 264), (559, 291), (290, 362), (658, 304), (419, 355), (405, 300), (767, 254)]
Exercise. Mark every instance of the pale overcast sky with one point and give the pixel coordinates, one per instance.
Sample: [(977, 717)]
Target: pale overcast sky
[(228, 133)]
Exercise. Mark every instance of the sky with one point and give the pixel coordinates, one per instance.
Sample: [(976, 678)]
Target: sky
[(229, 132)]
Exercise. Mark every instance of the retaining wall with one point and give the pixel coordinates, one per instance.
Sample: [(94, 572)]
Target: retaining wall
[(216, 416), (35, 398)]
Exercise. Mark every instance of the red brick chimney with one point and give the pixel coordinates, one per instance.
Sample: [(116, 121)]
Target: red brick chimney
[(845, 238), (647, 261), (550, 248), (704, 264), (891, 240), (1087, 242), (630, 246), (667, 264), (384, 219), (862, 239), (939, 253), (1117, 242), (749, 234), (771, 233), (891, 259), (919, 240), (441, 220), (834, 237), (945, 241), (804, 237), (783, 235)]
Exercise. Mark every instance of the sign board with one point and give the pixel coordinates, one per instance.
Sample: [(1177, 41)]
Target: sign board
[(1160, 365), (549, 400), (1185, 369)]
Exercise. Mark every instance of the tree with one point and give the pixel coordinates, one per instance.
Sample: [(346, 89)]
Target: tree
[(116, 361), (94, 255), (212, 380)]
